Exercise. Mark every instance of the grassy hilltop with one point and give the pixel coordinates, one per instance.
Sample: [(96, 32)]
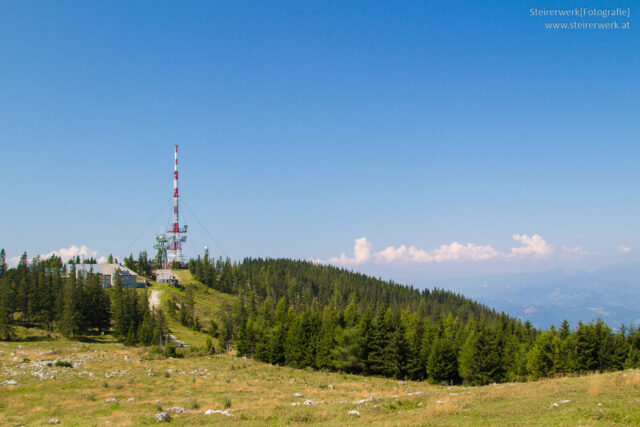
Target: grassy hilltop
[(98, 381), (255, 393)]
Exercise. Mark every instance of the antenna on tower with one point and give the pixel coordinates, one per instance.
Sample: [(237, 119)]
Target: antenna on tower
[(170, 242)]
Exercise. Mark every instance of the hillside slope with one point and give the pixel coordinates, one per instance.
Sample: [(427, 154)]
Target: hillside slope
[(255, 393), (209, 306)]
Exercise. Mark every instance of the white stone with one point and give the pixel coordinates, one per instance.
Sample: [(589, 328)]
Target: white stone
[(111, 400), (297, 395), (217, 411), (54, 421), (178, 410), (163, 416), (355, 413)]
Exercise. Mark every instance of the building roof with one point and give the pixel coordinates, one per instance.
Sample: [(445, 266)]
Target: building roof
[(165, 274), (106, 269)]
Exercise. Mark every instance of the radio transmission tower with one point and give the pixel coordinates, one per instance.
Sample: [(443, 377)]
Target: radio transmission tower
[(170, 242)]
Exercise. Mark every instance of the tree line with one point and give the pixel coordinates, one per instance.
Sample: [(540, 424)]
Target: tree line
[(50, 295), (302, 315)]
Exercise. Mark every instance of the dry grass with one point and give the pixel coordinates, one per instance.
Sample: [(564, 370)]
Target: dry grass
[(259, 394), (596, 383)]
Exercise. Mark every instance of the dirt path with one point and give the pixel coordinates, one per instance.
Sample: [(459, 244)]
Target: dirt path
[(154, 302), (154, 299)]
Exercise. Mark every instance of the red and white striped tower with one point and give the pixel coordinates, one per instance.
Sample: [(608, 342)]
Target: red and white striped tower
[(176, 235)]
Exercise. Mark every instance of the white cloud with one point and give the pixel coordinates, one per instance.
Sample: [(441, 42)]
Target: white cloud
[(623, 249), (451, 252), (73, 251), (361, 254), (534, 245)]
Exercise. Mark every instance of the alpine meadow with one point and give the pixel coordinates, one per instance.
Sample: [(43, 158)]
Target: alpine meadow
[(319, 213)]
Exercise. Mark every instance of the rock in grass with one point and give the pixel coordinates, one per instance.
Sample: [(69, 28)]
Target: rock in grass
[(9, 382), (111, 400), (354, 413), (163, 416), (178, 410), (297, 395), (217, 411), (54, 421)]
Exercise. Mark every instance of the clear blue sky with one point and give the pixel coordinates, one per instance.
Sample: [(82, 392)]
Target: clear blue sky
[(305, 125)]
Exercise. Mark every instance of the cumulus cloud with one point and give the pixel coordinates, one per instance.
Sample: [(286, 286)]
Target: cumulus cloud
[(451, 252), (361, 254), (73, 251), (623, 249), (534, 246)]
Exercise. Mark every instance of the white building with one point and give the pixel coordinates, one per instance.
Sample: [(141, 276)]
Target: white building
[(166, 276), (108, 271)]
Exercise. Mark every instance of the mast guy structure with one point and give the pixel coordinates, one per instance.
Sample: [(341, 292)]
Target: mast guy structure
[(170, 242)]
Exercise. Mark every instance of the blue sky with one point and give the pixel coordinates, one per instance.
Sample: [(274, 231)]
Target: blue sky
[(304, 126)]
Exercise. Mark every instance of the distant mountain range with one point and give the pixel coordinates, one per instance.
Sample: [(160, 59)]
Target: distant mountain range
[(612, 294)]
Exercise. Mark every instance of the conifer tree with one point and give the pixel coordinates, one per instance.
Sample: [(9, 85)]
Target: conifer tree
[(542, 357), (481, 357), (118, 305), (442, 365), (377, 358), (295, 344), (6, 316), (3, 262), (72, 321)]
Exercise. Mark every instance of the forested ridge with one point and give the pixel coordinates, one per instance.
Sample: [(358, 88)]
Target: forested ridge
[(305, 315)]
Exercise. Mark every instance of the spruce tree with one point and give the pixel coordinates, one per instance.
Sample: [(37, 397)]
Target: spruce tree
[(542, 356), (118, 304), (3, 262), (481, 357), (72, 322), (6, 316), (442, 365), (377, 359)]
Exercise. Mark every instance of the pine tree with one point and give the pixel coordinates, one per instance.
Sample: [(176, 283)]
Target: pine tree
[(295, 344), (563, 362), (442, 365), (3, 262), (348, 354), (6, 316), (145, 331), (72, 322), (377, 358), (118, 304), (481, 357), (326, 342), (542, 356), (97, 309)]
